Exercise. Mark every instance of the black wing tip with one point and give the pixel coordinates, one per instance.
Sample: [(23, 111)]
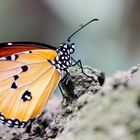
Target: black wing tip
[(39, 44), (16, 123)]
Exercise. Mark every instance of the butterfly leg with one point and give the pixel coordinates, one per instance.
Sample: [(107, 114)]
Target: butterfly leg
[(100, 77), (65, 81), (67, 84), (79, 63), (28, 128), (66, 78), (63, 95)]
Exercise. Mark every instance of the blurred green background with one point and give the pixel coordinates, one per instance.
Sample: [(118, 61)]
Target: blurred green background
[(110, 44)]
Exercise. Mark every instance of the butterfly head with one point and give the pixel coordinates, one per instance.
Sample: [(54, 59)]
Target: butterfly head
[(70, 46), (67, 47), (63, 59)]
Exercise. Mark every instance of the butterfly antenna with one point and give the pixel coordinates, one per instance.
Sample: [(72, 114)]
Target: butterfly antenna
[(81, 28)]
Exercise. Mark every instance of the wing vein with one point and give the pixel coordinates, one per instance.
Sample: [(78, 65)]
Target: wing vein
[(39, 99)]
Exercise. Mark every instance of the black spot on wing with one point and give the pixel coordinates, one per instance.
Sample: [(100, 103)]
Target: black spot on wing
[(26, 96), (8, 57), (24, 68), (12, 57), (49, 61), (16, 77), (14, 85), (16, 56), (14, 122)]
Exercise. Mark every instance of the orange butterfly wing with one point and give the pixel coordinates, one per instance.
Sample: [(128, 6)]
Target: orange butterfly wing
[(26, 83), (15, 47)]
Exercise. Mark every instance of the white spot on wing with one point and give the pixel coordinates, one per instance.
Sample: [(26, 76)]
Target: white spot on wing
[(26, 52), (16, 122), (9, 122), (13, 57), (1, 117), (27, 97), (10, 43), (3, 58)]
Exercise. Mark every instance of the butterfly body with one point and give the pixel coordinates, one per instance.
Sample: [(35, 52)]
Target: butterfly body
[(29, 74), (63, 60)]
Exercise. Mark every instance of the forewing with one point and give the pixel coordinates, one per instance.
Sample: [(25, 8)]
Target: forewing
[(26, 83), (10, 48)]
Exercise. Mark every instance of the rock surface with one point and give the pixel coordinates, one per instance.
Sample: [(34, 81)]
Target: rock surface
[(91, 110)]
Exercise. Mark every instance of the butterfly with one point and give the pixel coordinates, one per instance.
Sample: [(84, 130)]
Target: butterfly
[(29, 74)]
